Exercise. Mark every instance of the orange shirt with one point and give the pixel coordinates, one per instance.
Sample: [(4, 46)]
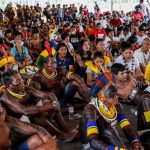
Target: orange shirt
[(90, 31)]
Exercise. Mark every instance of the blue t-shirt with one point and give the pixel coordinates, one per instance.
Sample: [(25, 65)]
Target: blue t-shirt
[(19, 56), (64, 63)]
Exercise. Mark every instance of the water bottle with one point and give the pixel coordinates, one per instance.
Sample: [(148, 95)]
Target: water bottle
[(71, 112), (133, 111), (115, 55), (133, 93)]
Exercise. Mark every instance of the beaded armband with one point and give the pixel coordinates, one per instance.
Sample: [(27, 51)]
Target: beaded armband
[(92, 128), (123, 121), (115, 148)]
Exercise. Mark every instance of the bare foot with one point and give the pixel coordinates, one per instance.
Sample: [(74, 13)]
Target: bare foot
[(70, 136)]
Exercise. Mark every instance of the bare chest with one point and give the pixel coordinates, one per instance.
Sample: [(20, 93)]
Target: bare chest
[(125, 90), (50, 83)]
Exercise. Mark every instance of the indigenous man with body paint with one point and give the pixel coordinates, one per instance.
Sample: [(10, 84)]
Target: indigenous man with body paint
[(20, 100), (100, 116), (64, 84)]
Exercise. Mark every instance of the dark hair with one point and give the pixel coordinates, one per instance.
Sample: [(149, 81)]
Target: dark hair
[(61, 45), (35, 30), (92, 38), (141, 28), (99, 40), (115, 68), (125, 45), (112, 88), (64, 36), (107, 30), (132, 39), (126, 29), (80, 45), (98, 55), (7, 77), (7, 31), (45, 60), (138, 7), (1, 41)]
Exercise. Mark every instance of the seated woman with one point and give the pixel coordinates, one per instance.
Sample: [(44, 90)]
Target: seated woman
[(94, 68), (63, 58), (129, 61), (83, 54), (38, 137), (20, 54)]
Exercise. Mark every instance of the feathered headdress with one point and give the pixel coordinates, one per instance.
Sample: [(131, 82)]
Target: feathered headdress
[(48, 51), (101, 82)]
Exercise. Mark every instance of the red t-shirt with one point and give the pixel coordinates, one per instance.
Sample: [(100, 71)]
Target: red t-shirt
[(115, 22), (86, 12), (138, 16), (100, 33)]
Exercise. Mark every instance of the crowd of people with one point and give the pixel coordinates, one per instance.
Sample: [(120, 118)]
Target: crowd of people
[(61, 59)]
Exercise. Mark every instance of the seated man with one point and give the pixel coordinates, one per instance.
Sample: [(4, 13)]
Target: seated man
[(143, 54), (144, 119), (128, 89), (20, 100), (52, 79), (100, 117), (39, 137)]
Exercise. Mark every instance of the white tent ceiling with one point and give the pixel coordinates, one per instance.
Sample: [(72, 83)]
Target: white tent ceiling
[(104, 6)]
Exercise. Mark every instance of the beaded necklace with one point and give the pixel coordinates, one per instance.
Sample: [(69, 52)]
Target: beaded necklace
[(53, 75), (109, 114), (19, 96)]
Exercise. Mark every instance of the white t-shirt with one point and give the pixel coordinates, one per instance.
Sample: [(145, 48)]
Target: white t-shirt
[(142, 57), (104, 23), (132, 65), (70, 47), (140, 39), (127, 36), (144, 7)]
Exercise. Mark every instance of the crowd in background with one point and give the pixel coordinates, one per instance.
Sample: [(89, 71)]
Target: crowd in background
[(82, 42)]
